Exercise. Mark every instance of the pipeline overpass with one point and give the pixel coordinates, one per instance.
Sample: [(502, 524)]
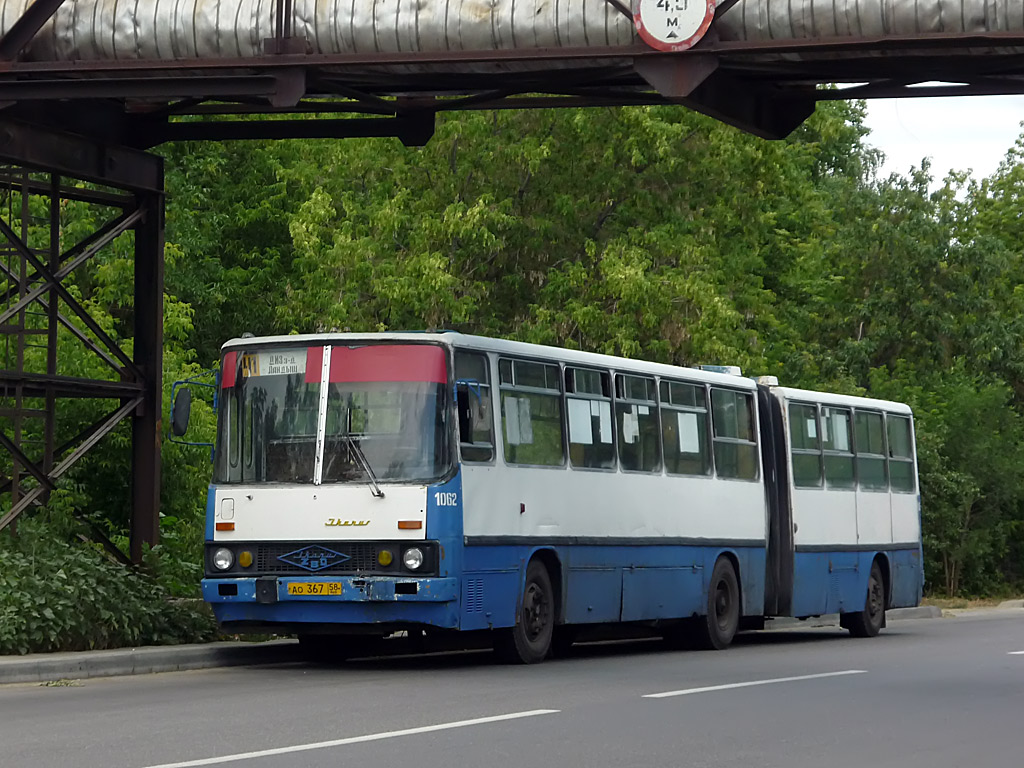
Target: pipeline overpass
[(87, 86)]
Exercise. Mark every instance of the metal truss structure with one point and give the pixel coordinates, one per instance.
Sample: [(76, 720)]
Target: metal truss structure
[(118, 109), (44, 171)]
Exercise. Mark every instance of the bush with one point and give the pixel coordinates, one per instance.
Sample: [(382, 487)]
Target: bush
[(56, 596)]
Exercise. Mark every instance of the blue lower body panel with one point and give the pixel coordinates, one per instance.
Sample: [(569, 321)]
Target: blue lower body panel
[(602, 584), (837, 582)]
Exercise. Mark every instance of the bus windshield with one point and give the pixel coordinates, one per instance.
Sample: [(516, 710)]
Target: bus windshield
[(388, 431)]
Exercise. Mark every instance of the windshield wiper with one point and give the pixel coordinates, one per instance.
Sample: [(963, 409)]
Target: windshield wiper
[(358, 453)]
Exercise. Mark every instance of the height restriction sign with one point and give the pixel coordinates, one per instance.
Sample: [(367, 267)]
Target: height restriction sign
[(673, 25)]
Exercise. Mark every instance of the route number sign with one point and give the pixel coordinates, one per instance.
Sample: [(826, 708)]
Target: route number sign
[(673, 25)]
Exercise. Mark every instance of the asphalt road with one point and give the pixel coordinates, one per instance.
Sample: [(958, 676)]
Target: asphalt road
[(943, 693)]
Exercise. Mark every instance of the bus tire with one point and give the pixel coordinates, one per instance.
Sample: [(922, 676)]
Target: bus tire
[(716, 629), (529, 641), (869, 622)]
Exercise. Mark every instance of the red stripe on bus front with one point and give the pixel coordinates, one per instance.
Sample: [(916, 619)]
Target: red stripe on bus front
[(227, 371), (314, 364), (388, 362)]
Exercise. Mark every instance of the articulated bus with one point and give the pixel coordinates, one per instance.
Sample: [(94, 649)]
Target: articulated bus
[(373, 484)]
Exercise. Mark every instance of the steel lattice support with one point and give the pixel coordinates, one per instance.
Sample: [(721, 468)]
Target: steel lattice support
[(39, 313)]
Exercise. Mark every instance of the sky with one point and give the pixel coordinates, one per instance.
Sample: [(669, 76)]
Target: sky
[(967, 132)]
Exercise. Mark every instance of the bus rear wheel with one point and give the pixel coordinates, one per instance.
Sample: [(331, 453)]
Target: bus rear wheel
[(529, 641), (868, 622), (715, 630)]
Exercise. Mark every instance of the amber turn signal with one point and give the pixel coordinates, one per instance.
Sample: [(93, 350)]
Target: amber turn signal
[(410, 525), (225, 526)]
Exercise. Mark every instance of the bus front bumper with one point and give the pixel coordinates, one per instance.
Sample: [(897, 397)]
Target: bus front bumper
[(330, 589)]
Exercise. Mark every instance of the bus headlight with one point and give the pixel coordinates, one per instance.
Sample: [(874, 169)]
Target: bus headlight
[(223, 559), (412, 558)]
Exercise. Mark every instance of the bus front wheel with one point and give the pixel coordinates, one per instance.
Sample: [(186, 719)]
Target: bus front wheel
[(716, 629), (868, 622), (529, 641)]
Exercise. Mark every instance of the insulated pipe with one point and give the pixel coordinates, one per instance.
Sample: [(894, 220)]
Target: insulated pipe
[(186, 29)]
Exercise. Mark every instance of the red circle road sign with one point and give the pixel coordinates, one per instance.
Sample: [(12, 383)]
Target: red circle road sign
[(673, 25)]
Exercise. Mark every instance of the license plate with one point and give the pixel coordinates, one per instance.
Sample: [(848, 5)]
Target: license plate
[(314, 588)]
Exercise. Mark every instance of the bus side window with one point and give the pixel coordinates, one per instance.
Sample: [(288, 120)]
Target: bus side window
[(589, 405), (835, 435), (901, 455), (636, 411), (476, 422), (684, 429), (735, 447), (805, 445), (531, 413), (870, 448)]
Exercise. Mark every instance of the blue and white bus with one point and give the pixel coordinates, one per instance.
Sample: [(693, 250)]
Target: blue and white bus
[(367, 484)]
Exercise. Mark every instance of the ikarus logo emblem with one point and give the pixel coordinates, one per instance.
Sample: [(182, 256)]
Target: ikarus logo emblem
[(314, 558), (337, 521)]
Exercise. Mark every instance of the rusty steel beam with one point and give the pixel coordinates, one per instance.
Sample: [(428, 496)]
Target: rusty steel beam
[(79, 194), (977, 87), (831, 46), (266, 85), (148, 351), (24, 29), (36, 385), (413, 130), (77, 157)]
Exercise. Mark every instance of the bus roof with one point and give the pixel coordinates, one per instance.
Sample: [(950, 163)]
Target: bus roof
[(505, 347), (849, 401)]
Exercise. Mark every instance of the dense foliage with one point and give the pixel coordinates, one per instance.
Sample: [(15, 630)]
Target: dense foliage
[(646, 232)]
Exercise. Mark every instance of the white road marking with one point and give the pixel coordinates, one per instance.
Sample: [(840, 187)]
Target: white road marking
[(752, 683), (356, 739), (1015, 653)]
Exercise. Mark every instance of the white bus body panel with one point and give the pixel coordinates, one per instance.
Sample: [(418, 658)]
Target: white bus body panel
[(874, 518), (824, 517), (595, 504), (319, 512), (906, 518)]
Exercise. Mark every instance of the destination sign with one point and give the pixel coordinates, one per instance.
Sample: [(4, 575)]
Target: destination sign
[(274, 363)]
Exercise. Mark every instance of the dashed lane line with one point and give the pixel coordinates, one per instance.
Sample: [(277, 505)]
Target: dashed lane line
[(752, 683), (357, 739)]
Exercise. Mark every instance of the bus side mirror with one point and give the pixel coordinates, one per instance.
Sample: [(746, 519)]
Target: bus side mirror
[(181, 409)]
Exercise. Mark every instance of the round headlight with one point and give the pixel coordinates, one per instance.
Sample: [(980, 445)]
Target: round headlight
[(223, 559), (413, 558), (385, 558)]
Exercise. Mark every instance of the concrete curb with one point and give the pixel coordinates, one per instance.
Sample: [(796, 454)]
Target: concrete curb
[(39, 668), (920, 612)]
